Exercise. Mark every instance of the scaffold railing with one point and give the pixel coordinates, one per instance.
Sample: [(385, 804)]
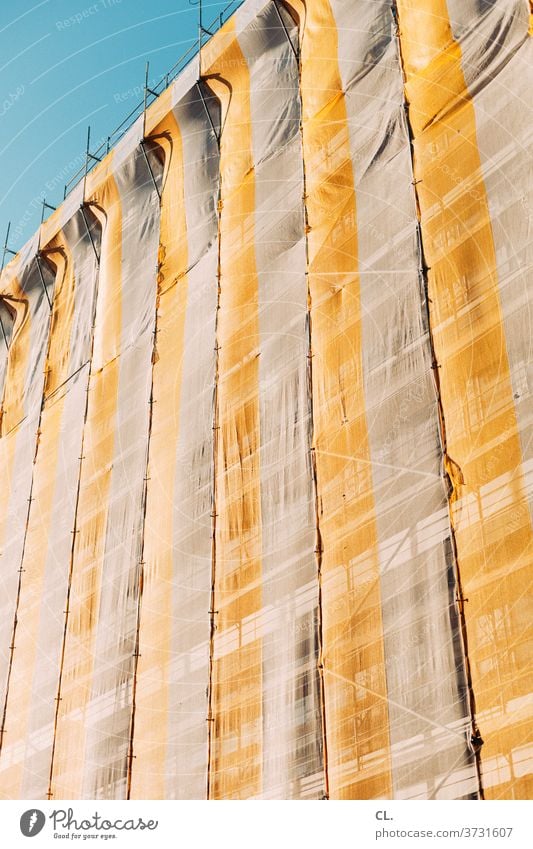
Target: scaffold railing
[(151, 93)]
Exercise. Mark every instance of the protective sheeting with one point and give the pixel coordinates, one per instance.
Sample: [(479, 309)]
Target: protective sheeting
[(94, 713), (470, 143), (26, 287), (30, 714), (425, 679), (278, 464), (503, 115), (171, 732), (266, 710), (353, 652)]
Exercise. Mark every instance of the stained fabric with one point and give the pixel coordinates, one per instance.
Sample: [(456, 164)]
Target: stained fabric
[(30, 709), (171, 732), (265, 514), (26, 288), (94, 712), (476, 289)]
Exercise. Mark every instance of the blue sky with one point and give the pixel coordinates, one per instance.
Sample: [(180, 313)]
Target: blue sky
[(65, 64)]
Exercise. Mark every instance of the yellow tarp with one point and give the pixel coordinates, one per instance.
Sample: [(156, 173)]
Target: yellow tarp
[(265, 526)]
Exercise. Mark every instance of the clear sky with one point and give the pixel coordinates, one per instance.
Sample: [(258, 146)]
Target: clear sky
[(65, 64)]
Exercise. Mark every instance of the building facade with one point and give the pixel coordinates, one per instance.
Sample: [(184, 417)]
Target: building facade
[(265, 513)]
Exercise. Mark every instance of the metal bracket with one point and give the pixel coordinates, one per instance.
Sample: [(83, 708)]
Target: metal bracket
[(283, 24), (45, 290), (156, 187), (6, 249), (147, 91), (207, 112), (202, 30), (46, 206), (90, 235), (88, 156)]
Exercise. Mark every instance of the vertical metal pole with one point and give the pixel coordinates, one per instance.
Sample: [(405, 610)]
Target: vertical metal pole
[(86, 158), (200, 32), (46, 206), (6, 249), (145, 95), (283, 24)]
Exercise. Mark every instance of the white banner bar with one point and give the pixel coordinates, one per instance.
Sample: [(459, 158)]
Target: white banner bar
[(267, 825)]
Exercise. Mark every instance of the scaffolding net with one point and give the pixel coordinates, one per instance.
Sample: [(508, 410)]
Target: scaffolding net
[(265, 514)]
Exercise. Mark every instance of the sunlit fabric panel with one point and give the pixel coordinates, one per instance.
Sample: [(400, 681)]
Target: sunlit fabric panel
[(94, 717), (426, 683), (170, 726), (292, 720), (358, 754), (466, 88), (497, 63), (30, 709), (25, 289), (235, 692), (265, 425)]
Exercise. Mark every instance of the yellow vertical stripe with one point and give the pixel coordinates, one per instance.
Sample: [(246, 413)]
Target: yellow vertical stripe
[(149, 771), (236, 751), (356, 715), (484, 460), (69, 765)]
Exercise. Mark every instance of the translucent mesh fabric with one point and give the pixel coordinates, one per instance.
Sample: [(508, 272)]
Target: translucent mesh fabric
[(265, 506)]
